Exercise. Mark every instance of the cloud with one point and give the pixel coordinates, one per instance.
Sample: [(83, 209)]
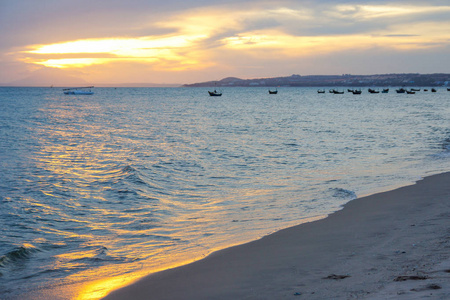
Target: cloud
[(401, 35), (181, 37)]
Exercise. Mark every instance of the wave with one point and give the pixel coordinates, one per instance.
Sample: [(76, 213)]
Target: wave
[(128, 170), (100, 255), (133, 175), (18, 254), (445, 150), (130, 182), (446, 145), (343, 193)]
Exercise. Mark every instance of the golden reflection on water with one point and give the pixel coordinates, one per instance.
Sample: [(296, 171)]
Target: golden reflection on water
[(100, 288), (69, 154), (97, 289), (66, 153)]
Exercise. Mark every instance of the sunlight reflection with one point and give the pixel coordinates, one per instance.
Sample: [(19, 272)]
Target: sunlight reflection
[(108, 283), (100, 288)]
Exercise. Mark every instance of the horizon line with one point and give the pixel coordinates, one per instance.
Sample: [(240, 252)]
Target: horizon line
[(151, 84)]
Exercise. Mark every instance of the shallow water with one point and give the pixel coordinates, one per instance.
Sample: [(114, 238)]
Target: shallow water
[(132, 180)]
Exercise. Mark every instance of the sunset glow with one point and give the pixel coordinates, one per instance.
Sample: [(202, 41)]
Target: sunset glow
[(144, 50), (194, 42)]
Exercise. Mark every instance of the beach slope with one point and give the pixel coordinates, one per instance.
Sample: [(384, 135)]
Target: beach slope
[(392, 245)]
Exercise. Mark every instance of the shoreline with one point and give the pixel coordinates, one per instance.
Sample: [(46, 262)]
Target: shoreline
[(390, 245)]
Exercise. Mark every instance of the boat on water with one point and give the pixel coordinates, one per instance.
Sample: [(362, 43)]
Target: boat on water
[(415, 90), (401, 91), (337, 92), (410, 92), (357, 92), (433, 90), (385, 91), (321, 91), (79, 91), (273, 92), (372, 91), (215, 93)]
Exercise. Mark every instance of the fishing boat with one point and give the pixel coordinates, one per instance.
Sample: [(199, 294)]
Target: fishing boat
[(415, 90), (273, 92), (357, 92), (401, 91), (321, 91), (410, 92), (373, 91), (337, 92), (385, 91), (215, 93), (433, 90), (79, 91)]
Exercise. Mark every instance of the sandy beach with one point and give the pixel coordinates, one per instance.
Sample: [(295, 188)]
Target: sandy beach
[(391, 245)]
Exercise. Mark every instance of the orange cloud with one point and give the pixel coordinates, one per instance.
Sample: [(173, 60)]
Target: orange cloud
[(150, 50), (206, 37)]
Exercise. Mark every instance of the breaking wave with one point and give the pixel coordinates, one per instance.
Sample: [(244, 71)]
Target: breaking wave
[(17, 255), (343, 193)]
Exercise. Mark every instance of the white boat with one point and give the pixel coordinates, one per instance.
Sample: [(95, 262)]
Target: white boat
[(79, 91)]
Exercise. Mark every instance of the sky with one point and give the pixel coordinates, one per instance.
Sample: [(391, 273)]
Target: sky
[(179, 41)]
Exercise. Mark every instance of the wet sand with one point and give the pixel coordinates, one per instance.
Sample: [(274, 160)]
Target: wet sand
[(392, 245)]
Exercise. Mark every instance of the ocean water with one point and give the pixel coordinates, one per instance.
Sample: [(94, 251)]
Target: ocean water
[(98, 190)]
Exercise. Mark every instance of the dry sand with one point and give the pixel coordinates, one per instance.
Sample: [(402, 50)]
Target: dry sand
[(392, 245)]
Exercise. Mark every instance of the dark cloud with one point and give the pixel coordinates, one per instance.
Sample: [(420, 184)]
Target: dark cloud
[(48, 21), (400, 35), (30, 22)]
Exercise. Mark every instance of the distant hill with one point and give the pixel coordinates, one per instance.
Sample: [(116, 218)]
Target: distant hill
[(437, 79)]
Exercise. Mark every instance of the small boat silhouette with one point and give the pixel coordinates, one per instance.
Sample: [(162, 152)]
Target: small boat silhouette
[(214, 93)]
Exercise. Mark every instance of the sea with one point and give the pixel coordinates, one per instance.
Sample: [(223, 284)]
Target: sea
[(99, 190)]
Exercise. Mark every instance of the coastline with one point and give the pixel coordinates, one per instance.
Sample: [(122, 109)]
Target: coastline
[(390, 245)]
